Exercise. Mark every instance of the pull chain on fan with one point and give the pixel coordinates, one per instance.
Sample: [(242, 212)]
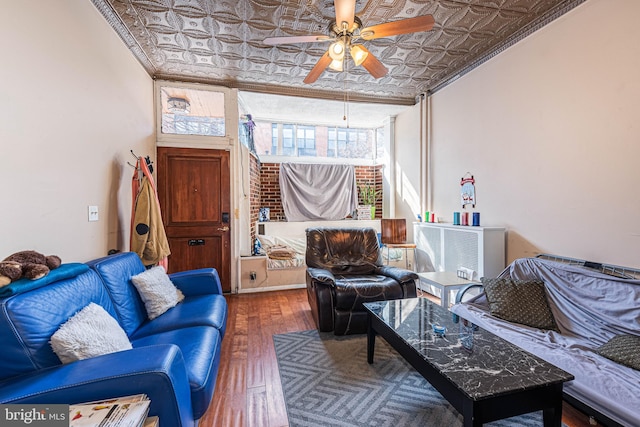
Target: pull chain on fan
[(346, 96)]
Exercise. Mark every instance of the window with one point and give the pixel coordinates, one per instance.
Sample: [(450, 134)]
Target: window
[(288, 146), (192, 112), (298, 140), (351, 143), (306, 140), (274, 139)]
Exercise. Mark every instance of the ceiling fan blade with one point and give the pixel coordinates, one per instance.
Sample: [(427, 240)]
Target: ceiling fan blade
[(320, 66), (345, 12), (403, 26), (273, 41), (374, 66)]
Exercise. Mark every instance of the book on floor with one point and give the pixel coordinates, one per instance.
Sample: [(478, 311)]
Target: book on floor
[(128, 411)]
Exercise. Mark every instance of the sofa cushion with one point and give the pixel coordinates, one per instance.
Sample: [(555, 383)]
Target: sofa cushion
[(623, 349), (29, 319), (88, 333), (201, 310), (116, 272), (157, 291), (519, 301), (200, 347)]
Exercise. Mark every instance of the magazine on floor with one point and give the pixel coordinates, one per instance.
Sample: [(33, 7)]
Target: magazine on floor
[(128, 411), (152, 422)]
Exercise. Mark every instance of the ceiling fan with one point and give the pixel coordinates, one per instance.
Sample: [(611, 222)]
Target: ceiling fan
[(345, 32)]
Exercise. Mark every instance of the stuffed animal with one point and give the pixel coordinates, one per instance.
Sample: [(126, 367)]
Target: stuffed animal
[(30, 264)]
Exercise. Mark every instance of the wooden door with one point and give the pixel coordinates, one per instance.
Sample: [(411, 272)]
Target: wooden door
[(195, 197)]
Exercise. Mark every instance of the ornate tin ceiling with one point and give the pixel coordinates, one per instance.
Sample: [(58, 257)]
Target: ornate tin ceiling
[(220, 42)]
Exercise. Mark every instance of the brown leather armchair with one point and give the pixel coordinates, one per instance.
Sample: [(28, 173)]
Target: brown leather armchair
[(344, 270)]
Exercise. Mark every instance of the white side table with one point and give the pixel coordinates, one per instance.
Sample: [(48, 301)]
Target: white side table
[(442, 282)]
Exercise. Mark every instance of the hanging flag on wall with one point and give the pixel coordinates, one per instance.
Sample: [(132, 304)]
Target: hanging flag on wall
[(468, 190)]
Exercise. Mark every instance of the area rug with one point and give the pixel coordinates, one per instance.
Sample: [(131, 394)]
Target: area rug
[(327, 382)]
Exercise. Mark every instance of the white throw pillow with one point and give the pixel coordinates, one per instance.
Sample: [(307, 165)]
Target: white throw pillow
[(157, 291), (88, 333)]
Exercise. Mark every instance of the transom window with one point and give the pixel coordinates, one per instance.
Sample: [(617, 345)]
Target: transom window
[(192, 112)]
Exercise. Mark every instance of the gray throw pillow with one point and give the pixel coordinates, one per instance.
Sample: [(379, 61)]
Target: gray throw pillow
[(157, 291), (622, 349), (519, 301)]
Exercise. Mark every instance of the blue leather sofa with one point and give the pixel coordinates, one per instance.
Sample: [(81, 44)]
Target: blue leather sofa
[(174, 360)]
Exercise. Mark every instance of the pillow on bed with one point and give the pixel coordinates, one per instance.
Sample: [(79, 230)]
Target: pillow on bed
[(622, 349), (281, 252), (519, 301)]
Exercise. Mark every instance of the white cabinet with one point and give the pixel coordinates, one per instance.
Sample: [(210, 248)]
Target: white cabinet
[(448, 247)]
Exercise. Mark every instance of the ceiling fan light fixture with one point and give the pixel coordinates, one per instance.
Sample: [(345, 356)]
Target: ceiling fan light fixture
[(336, 50), (336, 65), (359, 54)]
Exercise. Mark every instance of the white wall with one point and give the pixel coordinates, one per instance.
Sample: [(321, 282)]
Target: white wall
[(407, 167), (74, 101), (550, 130)]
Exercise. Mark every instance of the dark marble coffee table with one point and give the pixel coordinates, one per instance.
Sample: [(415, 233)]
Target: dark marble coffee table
[(484, 377)]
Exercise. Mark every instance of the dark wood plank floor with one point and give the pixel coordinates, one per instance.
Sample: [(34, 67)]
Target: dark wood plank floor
[(248, 391)]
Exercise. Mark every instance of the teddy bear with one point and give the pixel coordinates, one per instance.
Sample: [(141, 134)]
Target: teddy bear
[(30, 264)]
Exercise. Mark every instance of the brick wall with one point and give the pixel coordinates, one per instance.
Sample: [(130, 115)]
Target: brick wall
[(270, 191), (269, 188), (371, 175), (254, 196)]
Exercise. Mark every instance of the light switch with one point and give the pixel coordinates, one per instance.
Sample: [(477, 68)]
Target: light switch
[(93, 213)]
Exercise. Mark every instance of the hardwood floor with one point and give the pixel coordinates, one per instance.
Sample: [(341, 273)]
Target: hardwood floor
[(248, 391)]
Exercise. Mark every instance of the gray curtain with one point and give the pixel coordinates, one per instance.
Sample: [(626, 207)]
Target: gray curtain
[(314, 192)]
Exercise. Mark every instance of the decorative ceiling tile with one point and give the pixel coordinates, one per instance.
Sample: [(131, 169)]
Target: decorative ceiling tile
[(221, 42)]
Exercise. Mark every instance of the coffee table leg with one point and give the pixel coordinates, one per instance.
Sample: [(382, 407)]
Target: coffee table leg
[(552, 416), (471, 414), (371, 341)]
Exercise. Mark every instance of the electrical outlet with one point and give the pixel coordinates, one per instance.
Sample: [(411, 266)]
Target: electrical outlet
[(465, 273), (252, 276), (93, 213)]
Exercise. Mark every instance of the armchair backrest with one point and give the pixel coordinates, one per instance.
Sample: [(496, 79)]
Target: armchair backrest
[(343, 250)]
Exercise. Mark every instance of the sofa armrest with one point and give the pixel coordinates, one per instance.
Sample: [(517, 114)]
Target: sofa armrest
[(400, 275), (203, 281), (321, 275), (460, 295), (406, 279), (158, 371)]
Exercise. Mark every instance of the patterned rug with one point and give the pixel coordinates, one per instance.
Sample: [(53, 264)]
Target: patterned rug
[(327, 382)]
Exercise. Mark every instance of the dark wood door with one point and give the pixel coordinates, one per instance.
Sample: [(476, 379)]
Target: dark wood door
[(194, 193)]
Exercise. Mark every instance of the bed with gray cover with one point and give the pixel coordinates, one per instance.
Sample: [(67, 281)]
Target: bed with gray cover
[(589, 326)]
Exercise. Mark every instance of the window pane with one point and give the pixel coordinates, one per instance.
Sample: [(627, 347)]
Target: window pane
[(192, 112), (288, 148), (274, 139)]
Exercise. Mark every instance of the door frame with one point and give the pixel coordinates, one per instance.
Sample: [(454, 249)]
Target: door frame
[(228, 143)]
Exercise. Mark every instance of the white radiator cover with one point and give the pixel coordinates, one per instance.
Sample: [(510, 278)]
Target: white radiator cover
[(448, 247)]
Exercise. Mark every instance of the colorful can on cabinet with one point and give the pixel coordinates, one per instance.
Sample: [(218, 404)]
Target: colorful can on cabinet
[(465, 218), (456, 218), (476, 219)]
